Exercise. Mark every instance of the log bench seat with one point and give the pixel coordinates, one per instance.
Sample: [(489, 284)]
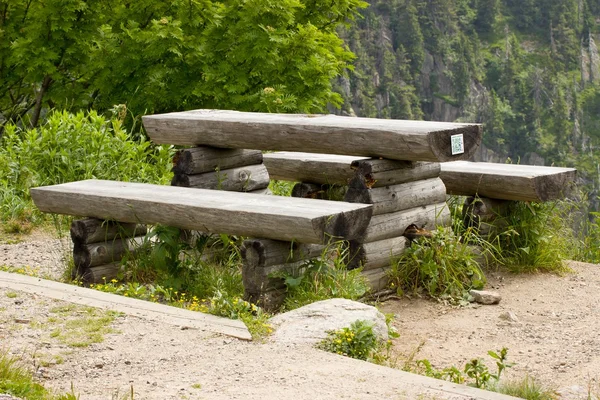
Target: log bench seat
[(507, 181), (213, 211)]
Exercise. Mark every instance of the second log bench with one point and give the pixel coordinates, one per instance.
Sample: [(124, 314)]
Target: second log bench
[(287, 221), (491, 188)]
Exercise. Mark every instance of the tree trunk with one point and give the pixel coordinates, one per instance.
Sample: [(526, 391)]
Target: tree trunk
[(508, 181), (392, 225), (92, 230)]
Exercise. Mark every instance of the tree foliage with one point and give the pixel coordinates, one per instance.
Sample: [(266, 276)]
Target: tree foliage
[(257, 55)]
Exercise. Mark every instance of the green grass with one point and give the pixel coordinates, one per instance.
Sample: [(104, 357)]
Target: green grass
[(70, 147), (527, 389), (17, 380)]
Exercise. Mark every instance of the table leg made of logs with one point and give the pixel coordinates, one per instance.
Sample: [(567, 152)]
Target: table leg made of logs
[(242, 170), (99, 247), (403, 193)]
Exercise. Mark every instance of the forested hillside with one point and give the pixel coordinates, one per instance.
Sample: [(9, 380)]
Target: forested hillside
[(528, 69)]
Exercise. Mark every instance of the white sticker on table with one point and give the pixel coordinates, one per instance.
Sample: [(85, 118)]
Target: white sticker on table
[(458, 144)]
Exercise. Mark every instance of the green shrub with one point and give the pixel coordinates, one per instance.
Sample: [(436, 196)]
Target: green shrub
[(70, 147), (358, 341), (537, 237), (443, 266), (324, 278)]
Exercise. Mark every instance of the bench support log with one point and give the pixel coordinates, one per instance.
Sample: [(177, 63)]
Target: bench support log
[(262, 259)]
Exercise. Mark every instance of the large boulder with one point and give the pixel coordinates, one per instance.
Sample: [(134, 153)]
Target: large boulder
[(310, 324)]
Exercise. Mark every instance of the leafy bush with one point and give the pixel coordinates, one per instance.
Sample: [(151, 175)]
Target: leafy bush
[(71, 147), (358, 341), (442, 265)]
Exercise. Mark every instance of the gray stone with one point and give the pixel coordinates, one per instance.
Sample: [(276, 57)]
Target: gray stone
[(485, 297), (310, 324)]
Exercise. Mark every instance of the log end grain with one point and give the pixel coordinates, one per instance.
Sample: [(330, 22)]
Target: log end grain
[(441, 142)]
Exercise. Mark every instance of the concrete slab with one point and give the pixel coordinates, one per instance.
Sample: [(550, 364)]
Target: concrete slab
[(144, 309)]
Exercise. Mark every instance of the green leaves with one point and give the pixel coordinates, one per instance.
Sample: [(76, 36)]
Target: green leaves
[(167, 56)]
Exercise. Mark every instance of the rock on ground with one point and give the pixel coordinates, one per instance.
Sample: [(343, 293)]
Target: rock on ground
[(310, 324)]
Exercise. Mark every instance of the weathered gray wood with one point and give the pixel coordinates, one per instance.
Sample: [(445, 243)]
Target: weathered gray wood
[(101, 273), (202, 159), (386, 226), (377, 278), (93, 254), (324, 169), (487, 216), (263, 258), (508, 181), (393, 139), (379, 173), (92, 230), (264, 252), (394, 198), (376, 254), (334, 169), (242, 179), (273, 217)]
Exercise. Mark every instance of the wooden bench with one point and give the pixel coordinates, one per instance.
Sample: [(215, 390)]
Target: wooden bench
[(387, 152), (508, 181), (289, 219), (490, 188), (227, 155)]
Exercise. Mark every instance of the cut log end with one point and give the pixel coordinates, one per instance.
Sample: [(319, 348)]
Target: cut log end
[(442, 147)]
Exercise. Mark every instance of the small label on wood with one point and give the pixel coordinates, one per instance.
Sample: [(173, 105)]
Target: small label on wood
[(458, 144)]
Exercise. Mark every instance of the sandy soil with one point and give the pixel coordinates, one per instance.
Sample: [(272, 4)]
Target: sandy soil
[(555, 339)]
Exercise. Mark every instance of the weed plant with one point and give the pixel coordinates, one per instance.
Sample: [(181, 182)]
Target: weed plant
[(357, 341), (16, 380), (537, 237), (70, 147), (324, 278), (443, 266)]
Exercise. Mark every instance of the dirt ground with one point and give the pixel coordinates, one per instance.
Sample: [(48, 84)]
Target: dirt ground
[(554, 337)]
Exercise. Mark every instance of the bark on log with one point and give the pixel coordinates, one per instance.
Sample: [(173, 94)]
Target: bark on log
[(324, 169), (379, 173), (101, 273), (386, 226), (377, 278), (508, 181), (262, 258), (93, 254), (242, 179), (329, 169), (400, 197), (198, 160), (487, 216), (393, 139), (273, 217), (376, 254), (92, 230)]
